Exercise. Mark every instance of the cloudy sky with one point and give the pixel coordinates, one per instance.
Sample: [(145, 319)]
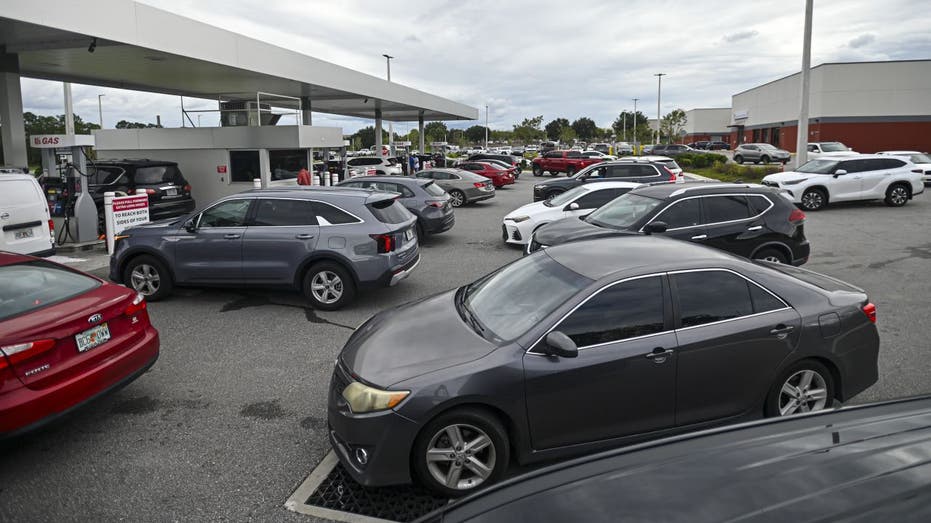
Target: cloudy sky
[(558, 59)]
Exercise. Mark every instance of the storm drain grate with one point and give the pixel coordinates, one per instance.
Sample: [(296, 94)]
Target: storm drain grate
[(330, 492)]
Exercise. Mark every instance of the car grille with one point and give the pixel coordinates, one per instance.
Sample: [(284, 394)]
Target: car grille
[(516, 235)]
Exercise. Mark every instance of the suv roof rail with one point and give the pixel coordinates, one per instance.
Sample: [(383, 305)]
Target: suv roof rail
[(716, 185)]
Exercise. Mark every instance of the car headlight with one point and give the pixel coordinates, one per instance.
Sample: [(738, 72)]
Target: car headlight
[(517, 219), (362, 398), (541, 186), (794, 182)]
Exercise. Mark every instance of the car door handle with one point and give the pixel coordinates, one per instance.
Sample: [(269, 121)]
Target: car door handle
[(700, 237), (304, 236), (755, 228), (232, 236), (781, 331), (659, 354)]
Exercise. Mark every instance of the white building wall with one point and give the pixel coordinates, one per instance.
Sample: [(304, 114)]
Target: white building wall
[(708, 121)]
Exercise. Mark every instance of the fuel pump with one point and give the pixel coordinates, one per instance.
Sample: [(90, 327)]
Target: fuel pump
[(65, 183)]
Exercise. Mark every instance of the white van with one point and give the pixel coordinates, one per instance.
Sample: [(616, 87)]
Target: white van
[(25, 224)]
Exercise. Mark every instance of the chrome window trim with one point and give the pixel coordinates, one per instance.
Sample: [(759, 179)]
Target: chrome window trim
[(259, 197), (771, 205), (200, 215), (583, 302), (785, 306)]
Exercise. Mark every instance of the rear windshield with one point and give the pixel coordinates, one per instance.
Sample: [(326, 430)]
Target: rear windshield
[(434, 189), (834, 147), (103, 175), (155, 174), (33, 285), (389, 211), (818, 280)]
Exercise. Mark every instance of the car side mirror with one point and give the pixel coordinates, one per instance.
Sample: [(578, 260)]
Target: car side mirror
[(574, 206), (190, 226), (839, 172), (653, 227), (558, 344)]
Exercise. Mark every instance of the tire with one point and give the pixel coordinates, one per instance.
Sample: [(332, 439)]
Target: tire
[(780, 403), (772, 255), (421, 234), (897, 195), (739, 159), (328, 286), (554, 173), (814, 200), (148, 276), (518, 171), (570, 171), (756, 162), (537, 171), (765, 159), (457, 198), (472, 426)]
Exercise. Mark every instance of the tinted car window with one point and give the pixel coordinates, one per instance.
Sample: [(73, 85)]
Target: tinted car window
[(624, 211), (683, 213), (621, 171), (231, 213), (328, 214), (389, 211), (763, 301), (725, 208), (710, 296), (428, 174), (758, 204), (574, 154), (626, 310), (103, 175), (854, 166), (644, 170), (33, 285), (433, 189), (154, 174), (283, 213), (888, 163), (596, 199), (597, 172)]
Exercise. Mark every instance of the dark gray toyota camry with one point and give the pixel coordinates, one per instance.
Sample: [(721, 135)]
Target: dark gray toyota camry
[(574, 349)]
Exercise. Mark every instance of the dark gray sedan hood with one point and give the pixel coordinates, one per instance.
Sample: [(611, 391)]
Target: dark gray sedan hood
[(411, 340), (572, 229)]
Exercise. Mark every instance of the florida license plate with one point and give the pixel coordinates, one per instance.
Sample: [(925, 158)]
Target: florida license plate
[(409, 234), (93, 337), (171, 191), (25, 233)]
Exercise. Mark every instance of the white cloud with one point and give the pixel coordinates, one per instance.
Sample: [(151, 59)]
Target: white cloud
[(587, 58)]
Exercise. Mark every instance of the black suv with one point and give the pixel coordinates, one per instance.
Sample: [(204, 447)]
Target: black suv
[(748, 220), (169, 193), (636, 171)]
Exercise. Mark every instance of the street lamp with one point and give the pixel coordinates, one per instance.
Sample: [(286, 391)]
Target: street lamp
[(486, 127), (100, 108), (636, 143), (801, 140), (659, 94), (390, 124)]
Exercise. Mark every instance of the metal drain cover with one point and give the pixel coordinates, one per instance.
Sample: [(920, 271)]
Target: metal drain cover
[(330, 492)]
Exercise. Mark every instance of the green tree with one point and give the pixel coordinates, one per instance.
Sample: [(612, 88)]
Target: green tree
[(634, 121), (36, 124), (529, 129), (435, 131), (555, 128), (567, 135), (366, 137), (123, 124), (673, 124), (475, 134), (584, 128)]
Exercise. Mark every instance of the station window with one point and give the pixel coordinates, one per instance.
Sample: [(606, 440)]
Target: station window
[(286, 163), (244, 166)]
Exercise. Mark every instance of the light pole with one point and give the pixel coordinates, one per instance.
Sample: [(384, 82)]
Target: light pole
[(636, 143), (100, 108), (390, 124), (659, 94), (801, 143), (486, 127)]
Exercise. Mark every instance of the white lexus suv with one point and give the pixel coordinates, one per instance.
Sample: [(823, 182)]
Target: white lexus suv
[(855, 177)]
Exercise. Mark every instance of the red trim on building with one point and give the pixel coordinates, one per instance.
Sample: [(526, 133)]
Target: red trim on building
[(864, 137)]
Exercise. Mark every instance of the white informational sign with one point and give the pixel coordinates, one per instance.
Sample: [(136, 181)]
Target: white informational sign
[(123, 212), (52, 141)]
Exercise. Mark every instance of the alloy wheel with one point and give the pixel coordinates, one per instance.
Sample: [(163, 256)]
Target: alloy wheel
[(771, 258), (456, 198), (145, 279), (812, 200), (461, 456), (327, 287), (898, 195), (804, 391)]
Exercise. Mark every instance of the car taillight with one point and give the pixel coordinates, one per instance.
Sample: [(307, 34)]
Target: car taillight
[(870, 310), (23, 351), (385, 242), (51, 228), (672, 175), (479, 185), (187, 188), (370, 172), (138, 304), (436, 203), (150, 191), (796, 216)]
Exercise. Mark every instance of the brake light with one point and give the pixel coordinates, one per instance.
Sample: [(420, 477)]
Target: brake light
[(51, 228), (370, 172), (23, 351), (479, 185), (137, 305), (187, 188), (870, 310), (796, 216), (150, 191), (672, 175), (436, 203), (385, 242)]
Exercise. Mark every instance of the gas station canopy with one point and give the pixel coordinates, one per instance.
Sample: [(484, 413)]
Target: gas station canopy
[(129, 45)]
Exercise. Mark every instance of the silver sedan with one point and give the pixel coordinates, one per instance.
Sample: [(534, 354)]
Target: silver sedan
[(463, 186)]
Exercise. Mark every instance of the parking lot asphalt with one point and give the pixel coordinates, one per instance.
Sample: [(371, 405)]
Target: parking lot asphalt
[(232, 418)]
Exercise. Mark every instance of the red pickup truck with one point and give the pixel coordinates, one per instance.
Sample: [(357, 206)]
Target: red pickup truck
[(569, 162)]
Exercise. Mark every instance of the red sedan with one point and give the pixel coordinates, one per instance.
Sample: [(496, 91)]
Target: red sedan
[(499, 176), (66, 337)]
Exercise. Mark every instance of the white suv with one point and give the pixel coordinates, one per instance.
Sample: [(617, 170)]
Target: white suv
[(25, 224), (386, 166), (854, 177)]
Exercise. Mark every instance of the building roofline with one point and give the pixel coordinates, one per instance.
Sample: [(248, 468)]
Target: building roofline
[(830, 63)]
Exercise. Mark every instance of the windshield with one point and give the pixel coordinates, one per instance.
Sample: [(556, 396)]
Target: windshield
[(566, 197), (507, 303), (920, 158), (434, 189), (767, 147), (818, 167), (834, 147), (623, 212)]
